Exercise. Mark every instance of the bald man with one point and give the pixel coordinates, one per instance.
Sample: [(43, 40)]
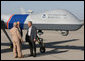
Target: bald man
[(16, 39)]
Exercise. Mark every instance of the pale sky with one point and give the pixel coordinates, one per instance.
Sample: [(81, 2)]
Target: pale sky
[(13, 7)]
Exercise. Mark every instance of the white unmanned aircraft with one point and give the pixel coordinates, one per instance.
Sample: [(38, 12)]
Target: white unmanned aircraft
[(61, 20)]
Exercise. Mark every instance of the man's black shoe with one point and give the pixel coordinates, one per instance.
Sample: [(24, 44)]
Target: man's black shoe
[(30, 55), (34, 55)]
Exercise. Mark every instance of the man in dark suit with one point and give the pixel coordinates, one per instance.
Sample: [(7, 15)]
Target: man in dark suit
[(31, 39)]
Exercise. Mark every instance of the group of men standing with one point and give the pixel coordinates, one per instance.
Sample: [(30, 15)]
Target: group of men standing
[(17, 40)]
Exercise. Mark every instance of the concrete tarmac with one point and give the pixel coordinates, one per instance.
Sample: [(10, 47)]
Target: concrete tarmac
[(58, 47)]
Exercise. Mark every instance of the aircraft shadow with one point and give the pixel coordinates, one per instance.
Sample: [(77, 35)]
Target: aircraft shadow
[(48, 45), (54, 51), (51, 45)]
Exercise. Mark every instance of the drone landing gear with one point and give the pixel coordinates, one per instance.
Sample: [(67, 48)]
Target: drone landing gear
[(42, 46)]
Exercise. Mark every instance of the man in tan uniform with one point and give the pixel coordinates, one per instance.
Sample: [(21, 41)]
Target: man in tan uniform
[(16, 39)]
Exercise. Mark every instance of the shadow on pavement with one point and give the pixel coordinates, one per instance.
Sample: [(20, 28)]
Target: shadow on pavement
[(54, 51), (51, 45), (48, 45)]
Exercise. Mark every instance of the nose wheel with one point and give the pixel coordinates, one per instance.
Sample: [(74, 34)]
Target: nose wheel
[(42, 49), (42, 46)]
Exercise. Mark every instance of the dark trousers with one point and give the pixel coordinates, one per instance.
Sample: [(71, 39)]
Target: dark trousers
[(32, 46)]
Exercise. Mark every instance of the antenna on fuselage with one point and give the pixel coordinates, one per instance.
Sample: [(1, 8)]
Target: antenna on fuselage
[(30, 12)]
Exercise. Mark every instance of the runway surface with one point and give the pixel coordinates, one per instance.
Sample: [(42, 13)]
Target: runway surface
[(58, 47)]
